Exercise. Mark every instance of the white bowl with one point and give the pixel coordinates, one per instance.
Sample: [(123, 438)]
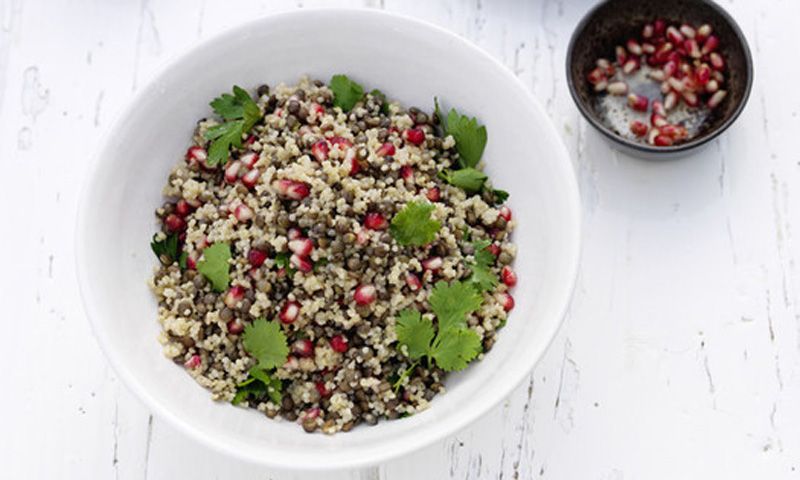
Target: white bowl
[(411, 61)]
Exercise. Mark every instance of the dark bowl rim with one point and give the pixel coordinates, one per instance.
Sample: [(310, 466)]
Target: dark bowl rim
[(650, 149)]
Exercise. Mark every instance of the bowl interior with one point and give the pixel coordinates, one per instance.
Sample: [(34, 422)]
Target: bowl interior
[(615, 21), (412, 62)]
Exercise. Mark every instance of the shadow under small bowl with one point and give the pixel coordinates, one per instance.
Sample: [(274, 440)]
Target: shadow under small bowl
[(613, 22)]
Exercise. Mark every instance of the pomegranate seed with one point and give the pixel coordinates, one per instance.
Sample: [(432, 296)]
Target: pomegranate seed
[(249, 159), (703, 74), (250, 179), (311, 413), (658, 107), (670, 101), (599, 87), (717, 98), (651, 136), (617, 88), (657, 120), (638, 102), (350, 158), (688, 31), (303, 348), (433, 194), (716, 61), (193, 362), (676, 84), (232, 171), (703, 32), (292, 189), (191, 262), (433, 263), (596, 76), (289, 312), (676, 132), (233, 296), (385, 149), (638, 128), (670, 68), (509, 276), (406, 172), (663, 53), (243, 213), (630, 66), (494, 249), (174, 223), (674, 35), (302, 264), (321, 389), (375, 221), (316, 111), (320, 150), (341, 142), (235, 326), (606, 66), (712, 86), (183, 208), (413, 282), (692, 48), (648, 48), (634, 47), (301, 246), (256, 257), (339, 343), (710, 44), (294, 233), (662, 141), (622, 56), (506, 300), (690, 98), (196, 155), (364, 294), (505, 213), (718, 76), (659, 27), (415, 135), (647, 31)]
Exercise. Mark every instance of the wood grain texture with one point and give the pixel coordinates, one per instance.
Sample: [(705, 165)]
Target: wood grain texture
[(680, 356)]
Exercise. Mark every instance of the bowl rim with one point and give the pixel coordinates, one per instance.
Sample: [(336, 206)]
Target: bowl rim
[(151, 401), (652, 150)]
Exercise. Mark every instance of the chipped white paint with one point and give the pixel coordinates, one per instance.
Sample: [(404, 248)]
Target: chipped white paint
[(680, 357)]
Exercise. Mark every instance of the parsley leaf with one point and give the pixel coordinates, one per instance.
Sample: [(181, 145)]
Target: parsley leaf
[(166, 250), (214, 265), (469, 136), (346, 93), (451, 303), (415, 332), (500, 196), (413, 224), (457, 348), (482, 279), (241, 114), (266, 342), (468, 179), (258, 384)]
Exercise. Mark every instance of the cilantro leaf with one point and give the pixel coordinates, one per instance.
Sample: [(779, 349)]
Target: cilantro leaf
[(258, 384), (451, 304), (241, 114), (456, 349), (469, 136), (346, 93), (482, 254), (469, 179), (482, 278), (266, 342), (415, 332), (500, 196), (166, 250), (413, 224), (214, 265)]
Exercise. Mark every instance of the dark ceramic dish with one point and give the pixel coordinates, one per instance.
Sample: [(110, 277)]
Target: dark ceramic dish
[(612, 22)]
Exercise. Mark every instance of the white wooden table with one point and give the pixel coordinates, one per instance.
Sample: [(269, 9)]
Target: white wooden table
[(680, 357)]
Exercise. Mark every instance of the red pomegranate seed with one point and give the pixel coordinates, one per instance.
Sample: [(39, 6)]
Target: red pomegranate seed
[(174, 223), (670, 68), (703, 74), (648, 48), (651, 136), (183, 208), (600, 87), (235, 326), (232, 171), (670, 101), (494, 249), (256, 257), (710, 45), (301, 246), (415, 135), (191, 261), (341, 142), (674, 35), (413, 282), (663, 53), (657, 120), (638, 128), (339, 343), (303, 348), (350, 159), (292, 189), (638, 102), (233, 296), (243, 213), (622, 56), (617, 88), (647, 31), (317, 111), (311, 413), (596, 76), (196, 155), (321, 389), (690, 98), (505, 213), (320, 150), (716, 61), (302, 264), (634, 47), (607, 66), (250, 179), (249, 159), (630, 66), (364, 294), (193, 362), (658, 107), (433, 263), (662, 141), (676, 84), (385, 149), (375, 221), (692, 48), (506, 300), (406, 172), (289, 312), (294, 233), (509, 276), (688, 31), (659, 27), (433, 194), (712, 86), (676, 132), (717, 98)]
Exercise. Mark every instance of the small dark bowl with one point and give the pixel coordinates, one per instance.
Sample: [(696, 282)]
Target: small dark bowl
[(612, 22)]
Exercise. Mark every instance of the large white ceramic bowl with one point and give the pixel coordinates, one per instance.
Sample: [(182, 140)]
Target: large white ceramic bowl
[(410, 60)]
